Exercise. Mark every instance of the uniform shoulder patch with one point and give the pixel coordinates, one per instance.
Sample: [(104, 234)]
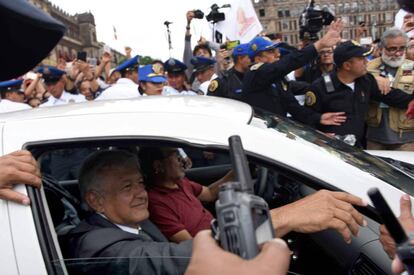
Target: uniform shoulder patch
[(310, 98), (256, 66), (213, 86)]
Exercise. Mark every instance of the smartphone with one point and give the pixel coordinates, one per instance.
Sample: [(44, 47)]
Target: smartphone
[(81, 56), (232, 44), (92, 61)]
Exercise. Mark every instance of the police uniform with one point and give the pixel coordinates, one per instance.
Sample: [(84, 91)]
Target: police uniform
[(174, 66), (8, 105), (200, 64), (263, 87), (231, 82), (388, 125), (151, 73), (124, 87), (52, 74), (329, 94)]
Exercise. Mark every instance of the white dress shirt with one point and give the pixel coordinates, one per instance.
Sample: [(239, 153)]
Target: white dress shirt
[(123, 88), (168, 90), (65, 98), (204, 86), (11, 106)]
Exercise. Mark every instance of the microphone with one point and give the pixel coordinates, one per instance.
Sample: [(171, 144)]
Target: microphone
[(167, 23)]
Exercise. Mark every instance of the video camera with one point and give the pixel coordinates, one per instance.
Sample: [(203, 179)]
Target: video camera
[(243, 221), (407, 5), (312, 20)]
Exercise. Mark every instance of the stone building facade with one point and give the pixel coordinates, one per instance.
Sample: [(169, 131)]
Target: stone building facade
[(282, 16), (80, 35)]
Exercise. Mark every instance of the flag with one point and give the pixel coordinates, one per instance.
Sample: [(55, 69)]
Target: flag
[(241, 22), (115, 36)]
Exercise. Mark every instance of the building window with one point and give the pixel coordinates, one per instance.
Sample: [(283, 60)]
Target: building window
[(280, 13), (287, 13), (262, 13)]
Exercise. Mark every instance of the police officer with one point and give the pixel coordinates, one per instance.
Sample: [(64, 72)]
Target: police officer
[(55, 84), (12, 96), (387, 127), (262, 87), (230, 84), (176, 77), (350, 89), (204, 72), (127, 85), (151, 79)]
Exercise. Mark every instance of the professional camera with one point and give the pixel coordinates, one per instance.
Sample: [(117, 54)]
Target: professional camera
[(313, 19), (407, 5), (243, 221), (215, 16), (198, 14)]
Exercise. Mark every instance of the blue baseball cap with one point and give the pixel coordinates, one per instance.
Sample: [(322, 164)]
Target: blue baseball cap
[(129, 64), (151, 73), (240, 50), (202, 63), (14, 85), (260, 44), (50, 74), (174, 66)]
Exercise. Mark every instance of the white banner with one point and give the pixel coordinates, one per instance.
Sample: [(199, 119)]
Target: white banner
[(241, 21)]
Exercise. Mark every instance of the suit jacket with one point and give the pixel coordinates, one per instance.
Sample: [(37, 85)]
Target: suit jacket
[(129, 253)]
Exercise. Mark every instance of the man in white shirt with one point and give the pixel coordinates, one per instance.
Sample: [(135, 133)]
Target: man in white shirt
[(204, 72), (127, 85), (12, 96), (55, 84)]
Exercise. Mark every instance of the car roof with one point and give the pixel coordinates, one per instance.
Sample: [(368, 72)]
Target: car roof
[(214, 107)]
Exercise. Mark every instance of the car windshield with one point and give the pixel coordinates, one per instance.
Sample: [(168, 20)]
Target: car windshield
[(393, 174)]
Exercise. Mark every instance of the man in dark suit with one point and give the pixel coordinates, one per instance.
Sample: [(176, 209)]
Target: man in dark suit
[(112, 186)]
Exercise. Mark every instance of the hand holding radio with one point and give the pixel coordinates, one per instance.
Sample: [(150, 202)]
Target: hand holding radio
[(273, 258)]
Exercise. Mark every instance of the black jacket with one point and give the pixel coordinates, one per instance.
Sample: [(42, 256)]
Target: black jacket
[(126, 253), (353, 103), (263, 87)]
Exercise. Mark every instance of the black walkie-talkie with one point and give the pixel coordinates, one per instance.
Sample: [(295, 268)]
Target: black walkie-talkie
[(405, 249), (243, 221)]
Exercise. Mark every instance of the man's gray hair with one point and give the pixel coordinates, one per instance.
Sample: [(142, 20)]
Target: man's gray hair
[(97, 164), (390, 34)]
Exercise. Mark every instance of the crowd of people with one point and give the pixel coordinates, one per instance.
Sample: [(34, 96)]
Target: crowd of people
[(359, 94), (344, 95)]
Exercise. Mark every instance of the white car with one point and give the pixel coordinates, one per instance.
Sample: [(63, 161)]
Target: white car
[(289, 161)]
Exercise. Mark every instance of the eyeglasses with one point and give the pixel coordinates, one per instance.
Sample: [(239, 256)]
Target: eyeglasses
[(325, 53), (393, 50)]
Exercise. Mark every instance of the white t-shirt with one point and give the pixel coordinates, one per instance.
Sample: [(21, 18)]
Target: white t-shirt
[(11, 106), (351, 85), (123, 88)]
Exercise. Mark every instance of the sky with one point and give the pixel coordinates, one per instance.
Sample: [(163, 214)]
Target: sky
[(140, 23)]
